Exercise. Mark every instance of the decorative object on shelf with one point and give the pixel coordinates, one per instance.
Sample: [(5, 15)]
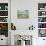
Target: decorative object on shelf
[(13, 27), (41, 19), (24, 37), (4, 29), (3, 6), (43, 13), (6, 7), (3, 13), (41, 25), (22, 14), (42, 32), (41, 6), (4, 26), (23, 40), (0, 7), (3, 19), (31, 27)]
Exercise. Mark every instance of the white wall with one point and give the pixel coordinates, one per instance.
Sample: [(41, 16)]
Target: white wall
[(31, 5), (23, 24)]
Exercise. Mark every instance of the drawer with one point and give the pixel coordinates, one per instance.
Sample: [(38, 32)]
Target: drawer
[(3, 41)]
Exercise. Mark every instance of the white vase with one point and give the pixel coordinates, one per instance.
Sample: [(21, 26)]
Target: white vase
[(22, 43)]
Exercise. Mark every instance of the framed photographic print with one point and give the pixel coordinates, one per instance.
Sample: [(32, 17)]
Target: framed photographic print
[(22, 14)]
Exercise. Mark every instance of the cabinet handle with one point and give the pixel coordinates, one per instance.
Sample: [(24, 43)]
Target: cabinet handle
[(1, 39), (43, 39)]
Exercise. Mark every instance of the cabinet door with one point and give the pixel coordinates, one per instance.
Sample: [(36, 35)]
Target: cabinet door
[(41, 41)]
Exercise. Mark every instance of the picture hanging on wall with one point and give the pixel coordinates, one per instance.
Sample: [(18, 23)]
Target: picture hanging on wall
[(22, 14)]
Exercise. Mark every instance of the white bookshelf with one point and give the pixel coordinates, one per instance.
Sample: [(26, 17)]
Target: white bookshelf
[(4, 17), (42, 18), (5, 38)]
